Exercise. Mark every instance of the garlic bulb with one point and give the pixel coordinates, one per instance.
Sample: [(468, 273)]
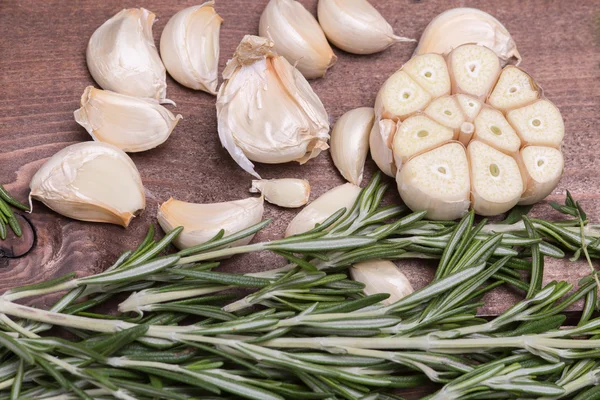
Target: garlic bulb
[(201, 222), (90, 181), (298, 37), (130, 123), (122, 57), (350, 142), (356, 26), (459, 26), (287, 192), (189, 47), (382, 276), (319, 210), (266, 110)]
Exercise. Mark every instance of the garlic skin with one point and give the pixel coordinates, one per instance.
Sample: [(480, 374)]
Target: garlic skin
[(189, 47), (130, 123), (356, 26), (287, 192), (90, 181), (122, 57), (266, 110), (382, 276), (380, 140), (459, 26), (201, 222), (319, 210), (298, 37), (350, 142)]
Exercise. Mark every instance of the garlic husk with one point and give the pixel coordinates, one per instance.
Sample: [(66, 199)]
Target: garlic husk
[(382, 276), (319, 210), (266, 110), (201, 222), (189, 47), (459, 26), (380, 138), (286, 192), (350, 142), (90, 181), (356, 26), (122, 57), (542, 168), (130, 123), (298, 37)]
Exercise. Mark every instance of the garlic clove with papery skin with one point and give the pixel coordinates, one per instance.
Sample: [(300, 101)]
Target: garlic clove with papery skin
[(542, 168), (189, 47), (286, 192), (90, 181), (201, 222), (130, 123), (382, 276), (380, 139)]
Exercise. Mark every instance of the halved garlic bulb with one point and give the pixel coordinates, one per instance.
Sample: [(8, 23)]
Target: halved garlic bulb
[(266, 110), (298, 37), (350, 142), (122, 57), (130, 123), (382, 276), (542, 168), (90, 181), (319, 210), (286, 192), (189, 47), (201, 222), (356, 26)]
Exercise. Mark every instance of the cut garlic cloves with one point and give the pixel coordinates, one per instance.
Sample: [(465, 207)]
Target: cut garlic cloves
[(130, 123), (90, 181), (287, 192), (542, 168), (382, 276), (379, 145), (515, 88), (430, 72), (400, 96), (538, 124), (474, 70), (446, 111), (493, 129)]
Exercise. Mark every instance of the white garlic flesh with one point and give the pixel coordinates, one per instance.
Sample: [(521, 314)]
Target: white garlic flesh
[(286, 192), (382, 276)]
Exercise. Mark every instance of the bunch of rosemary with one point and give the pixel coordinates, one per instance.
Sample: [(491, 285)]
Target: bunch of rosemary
[(306, 331), (7, 216)]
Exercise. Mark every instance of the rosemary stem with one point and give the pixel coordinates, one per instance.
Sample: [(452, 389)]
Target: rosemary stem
[(230, 251), (143, 298), (72, 284)]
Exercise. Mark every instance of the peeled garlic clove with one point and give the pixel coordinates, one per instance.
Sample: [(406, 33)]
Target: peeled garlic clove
[(459, 26), (380, 138), (416, 135), (356, 26), (437, 181), (514, 89), (319, 210), (400, 96), (382, 276), (538, 124), (446, 111), (474, 70), (201, 222), (469, 105), (122, 57), (298, 37), (130, 123), (493, 129), (91, 181), (542, 168), (266, 110), (287, 192), (496, 182), (350, 142), (430, 72), (189, 47)]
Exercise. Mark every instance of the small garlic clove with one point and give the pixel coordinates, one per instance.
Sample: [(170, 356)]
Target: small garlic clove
[(287, 192), (130, 123), (446, 111), (538, 124), (122, 57), (319, 210), (382, 276), (542, 168), (379, 138), (201, 222), (416, 135), (514, 89), (350, 142), (469, 105), (356, 26), (90, 181), (459, 26), (298, 37), (474, 70), (493, 129), (430, 72), (399, 97), (189, 47)]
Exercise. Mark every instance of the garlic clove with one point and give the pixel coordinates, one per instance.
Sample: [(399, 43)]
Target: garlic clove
[(130, 123), (474, 70), (379, 138), (469, 105), (514, 89), (437, 181), (189, 47), (122, 57), (496, 182), (493, 129), (459, 26), (298, 37), (400, 96), (416, 135), (430, 72), (542, 168), (90, 181), (287, 192), (201, 222), (319, 210), (382, 276), (350, 142), (446, 111), (538, 124), (356, 26)]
